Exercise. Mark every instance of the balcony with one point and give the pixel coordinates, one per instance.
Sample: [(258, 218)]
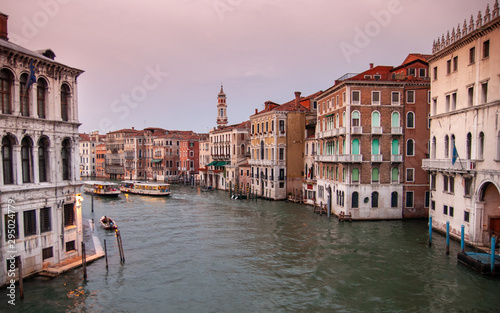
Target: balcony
[(396, 158), (397, 130), (341, 130), (357, 129), (377, 158), (326, 158), (377, 130), (262, 162), (447, 165)]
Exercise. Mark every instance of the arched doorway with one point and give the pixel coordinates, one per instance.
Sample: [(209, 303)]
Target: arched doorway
[(489, 195)]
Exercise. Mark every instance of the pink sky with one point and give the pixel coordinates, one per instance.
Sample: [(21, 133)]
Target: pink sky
[(161, 62)]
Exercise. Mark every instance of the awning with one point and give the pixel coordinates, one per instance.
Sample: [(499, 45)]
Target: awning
[(212, 163), (221, 163), (156, 160)]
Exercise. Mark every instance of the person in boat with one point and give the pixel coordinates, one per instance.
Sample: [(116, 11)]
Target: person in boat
[(105, 219)]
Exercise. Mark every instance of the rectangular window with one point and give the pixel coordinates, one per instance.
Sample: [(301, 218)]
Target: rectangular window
[(433, 205), (445, 209), (395, 98), (466, 216), (484, 92), (448, 67), (467, 187), (69, 215), (410, 96), (70, 246), (454, 101), (435, 73), (448, 101), (452, 184), (422, 72), (410, 174), (427, 199), (282, 126), (470, 96), (47, 253), (472, 55), (29, 223), (409, 199), (376, 97), (445, 183), (451, 211), (343, 98), (377, 77), (11, 227), (455, 64), (412, 71), (281, 154), (282, 174), (433, 181), (355, 97), (486, 49)]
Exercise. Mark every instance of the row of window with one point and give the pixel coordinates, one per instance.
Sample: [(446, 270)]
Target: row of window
[(449, 147), (451, 98), (452, 63), (374, 199), (6, 96), (449, 184), (263, 153), (450, 211), (260, 127), (332, 122), (333, 147), (376, 99), (333, 173), (26, 160)]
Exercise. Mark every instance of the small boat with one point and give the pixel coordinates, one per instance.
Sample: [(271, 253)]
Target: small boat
[(210, 188), (145, 188), (101, 188), (108, 223)]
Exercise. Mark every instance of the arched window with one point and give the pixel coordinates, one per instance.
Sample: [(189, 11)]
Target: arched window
[(395, 175), (262, 150), (374, 199), (65, 102), (7, 161), (355, 175), (24, 96), (343, 119), (395, 147), (480, 146), (337, 120), (355, 199), (41, 92), (433, 148), (375, 175), (5, 91), (26, 163), (468, 145), (242, 149), (410, 147), (395, 120), (66, 159), (355, 118), (43, 159), (394, 199), (410, 120), (355, 146), (375, 147), (446, 147), (375, 119)]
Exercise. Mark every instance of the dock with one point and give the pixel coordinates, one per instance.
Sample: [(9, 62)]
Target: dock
[(91, 238)]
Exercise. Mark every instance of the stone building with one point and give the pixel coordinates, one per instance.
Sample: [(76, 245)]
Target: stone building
[(41, 221), (88, 153), (464, 162), (372, 135)]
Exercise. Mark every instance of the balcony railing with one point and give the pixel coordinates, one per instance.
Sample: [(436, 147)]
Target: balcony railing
[(396, 158), (327, 158), (397, 130), (447, 165), (377, 130), (357, 129), (376, 157)]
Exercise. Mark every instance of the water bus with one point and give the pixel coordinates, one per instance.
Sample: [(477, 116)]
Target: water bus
[(145, 188), (101, 188)]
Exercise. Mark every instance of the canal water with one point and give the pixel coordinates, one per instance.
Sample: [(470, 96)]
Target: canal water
[(203, 252)]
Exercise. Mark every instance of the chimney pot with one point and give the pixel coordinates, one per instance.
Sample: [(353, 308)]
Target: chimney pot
[(256, 111), (297, 99), (371, 65), (3, 26)]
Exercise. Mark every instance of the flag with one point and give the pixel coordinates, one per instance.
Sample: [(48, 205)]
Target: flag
[(455, 154), (32, 78)]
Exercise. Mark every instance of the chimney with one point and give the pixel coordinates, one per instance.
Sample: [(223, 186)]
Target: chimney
[(371, 65), (297, 99), (256, 111), (3, 26)]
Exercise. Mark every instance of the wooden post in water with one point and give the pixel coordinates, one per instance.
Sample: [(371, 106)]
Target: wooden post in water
[(21, 286), (430, 230), (92, 202), (106, 254), (447, 238), (462, 241), (84, 261), (120, 246)]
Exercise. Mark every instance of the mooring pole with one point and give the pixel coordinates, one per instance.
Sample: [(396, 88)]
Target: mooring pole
[(430, 230), (84, 261), (92, 202), (106, 254), (21, 287), (447, 238), (492, 261), (462, 241)]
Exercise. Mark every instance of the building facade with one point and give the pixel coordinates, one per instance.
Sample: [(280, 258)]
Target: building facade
[(464, 163), (371, 133), (88, 153), (40, 184)]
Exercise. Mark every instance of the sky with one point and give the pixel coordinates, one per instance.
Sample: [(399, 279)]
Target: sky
[(161, 63)]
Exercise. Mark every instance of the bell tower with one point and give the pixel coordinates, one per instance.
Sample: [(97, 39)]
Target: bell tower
[(221, 108)]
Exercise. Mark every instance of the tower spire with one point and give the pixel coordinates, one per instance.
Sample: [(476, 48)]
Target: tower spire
[(221, 108)]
